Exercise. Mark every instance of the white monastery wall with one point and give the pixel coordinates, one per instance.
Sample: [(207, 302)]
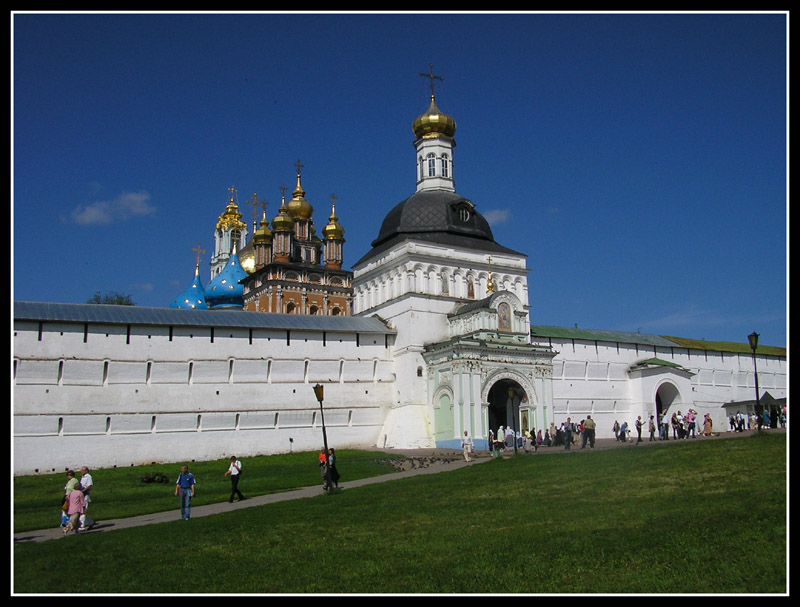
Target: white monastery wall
[(593, 378), (110, 396)]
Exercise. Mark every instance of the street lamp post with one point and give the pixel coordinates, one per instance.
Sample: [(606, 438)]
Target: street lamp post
[(753, 339), (320, 394)]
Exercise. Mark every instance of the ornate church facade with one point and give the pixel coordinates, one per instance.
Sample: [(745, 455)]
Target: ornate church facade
[(428, 337)]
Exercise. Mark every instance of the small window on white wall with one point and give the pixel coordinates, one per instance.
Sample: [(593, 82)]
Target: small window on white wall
[(431, 165), (445, 166)]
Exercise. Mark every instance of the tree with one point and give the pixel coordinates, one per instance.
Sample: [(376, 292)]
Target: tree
[(112, 297)]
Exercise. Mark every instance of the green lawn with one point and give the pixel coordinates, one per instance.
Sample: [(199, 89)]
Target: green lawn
[(120, 492), (694, 517)]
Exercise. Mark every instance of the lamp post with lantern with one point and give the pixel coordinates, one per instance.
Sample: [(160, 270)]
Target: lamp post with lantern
[(319, 392), (753, 339)]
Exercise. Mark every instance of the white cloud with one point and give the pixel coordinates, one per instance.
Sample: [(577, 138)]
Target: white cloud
[(122, 208), (497, 216), (144, 286)]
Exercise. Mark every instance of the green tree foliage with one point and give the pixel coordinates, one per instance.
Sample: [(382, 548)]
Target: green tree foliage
[(112, 297)]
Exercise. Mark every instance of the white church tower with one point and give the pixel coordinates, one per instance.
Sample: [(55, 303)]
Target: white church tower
[(230, 234), (433, 140), (435, 258)]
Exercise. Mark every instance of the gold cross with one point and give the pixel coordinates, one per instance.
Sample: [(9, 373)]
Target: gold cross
[(298, 166), (199, 251), (431, 76), (255, 203), (232, 190)]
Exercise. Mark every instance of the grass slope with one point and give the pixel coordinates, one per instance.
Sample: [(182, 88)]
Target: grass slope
[(695, 517)]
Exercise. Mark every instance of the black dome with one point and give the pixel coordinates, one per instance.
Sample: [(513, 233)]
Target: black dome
[(437, 216)]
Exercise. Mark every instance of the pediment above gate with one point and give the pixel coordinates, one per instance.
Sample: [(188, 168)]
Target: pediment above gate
[(502, 313), (652, 366)]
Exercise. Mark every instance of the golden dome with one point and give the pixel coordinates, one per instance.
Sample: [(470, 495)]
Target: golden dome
[(263, 233), (333, 231), (283, 222), (299, 207), (434, 122), (231, 218), (247, 258)]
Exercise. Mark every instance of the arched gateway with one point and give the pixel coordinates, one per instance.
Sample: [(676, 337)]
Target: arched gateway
[(488, 374)]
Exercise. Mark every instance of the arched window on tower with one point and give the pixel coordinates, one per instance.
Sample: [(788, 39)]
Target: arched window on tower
[(421, 168), (431, 165), (445, 166)]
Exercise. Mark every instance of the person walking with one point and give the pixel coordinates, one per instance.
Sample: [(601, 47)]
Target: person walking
[(466, 445), (708, 426), (569, 428), (184, 488), (87, 484), (333, 470), (323, 468), (638, 423), (76, 507), (652, 428), (589, 427), (235, 472)]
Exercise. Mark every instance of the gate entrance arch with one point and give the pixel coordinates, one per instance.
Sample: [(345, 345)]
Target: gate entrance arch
[(504, 398), (666, 395), (510, 400)]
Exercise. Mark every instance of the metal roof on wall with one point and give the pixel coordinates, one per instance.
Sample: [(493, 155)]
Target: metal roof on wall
[(543, 332), (135, 315)]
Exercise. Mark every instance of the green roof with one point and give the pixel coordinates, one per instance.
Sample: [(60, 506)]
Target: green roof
[(595, 335), (543, 331), (727, 346), (657, 362)]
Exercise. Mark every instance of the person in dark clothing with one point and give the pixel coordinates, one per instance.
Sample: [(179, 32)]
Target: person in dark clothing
[(235, 471), (333, 471)]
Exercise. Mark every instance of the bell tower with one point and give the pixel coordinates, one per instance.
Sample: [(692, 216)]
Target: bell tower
[(230, 233), (434, 143)]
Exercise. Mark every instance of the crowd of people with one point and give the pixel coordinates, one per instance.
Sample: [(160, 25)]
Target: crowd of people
[(679, 425), (564, 435), (771, 417)]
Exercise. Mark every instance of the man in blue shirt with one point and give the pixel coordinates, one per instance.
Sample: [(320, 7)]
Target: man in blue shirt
[(184, 487)]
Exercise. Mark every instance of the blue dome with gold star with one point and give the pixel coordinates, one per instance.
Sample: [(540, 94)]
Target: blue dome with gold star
[(225, 290), (193, 298)]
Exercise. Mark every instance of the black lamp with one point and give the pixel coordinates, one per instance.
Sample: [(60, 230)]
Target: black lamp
[(753, 339), (319, 392)]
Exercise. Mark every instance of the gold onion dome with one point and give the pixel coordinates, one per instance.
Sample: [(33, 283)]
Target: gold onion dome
[(299, 207), (231, 218), (434, 122), (283, 222), (333, 231), (263, 233)]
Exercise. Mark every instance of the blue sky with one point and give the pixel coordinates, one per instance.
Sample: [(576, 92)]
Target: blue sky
[(639, 160)]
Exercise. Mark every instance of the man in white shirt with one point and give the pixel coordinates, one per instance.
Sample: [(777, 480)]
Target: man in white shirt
[(466, 445), (86, 488), (235, 470)]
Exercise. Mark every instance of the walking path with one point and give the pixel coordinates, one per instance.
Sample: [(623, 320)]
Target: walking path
[(448, 460)]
